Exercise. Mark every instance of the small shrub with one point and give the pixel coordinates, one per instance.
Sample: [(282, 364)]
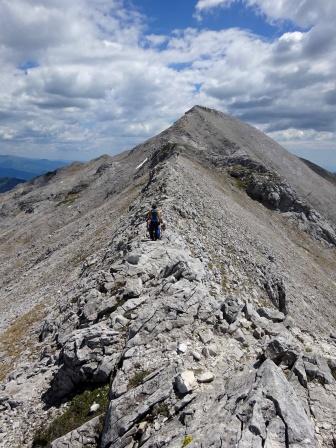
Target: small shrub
[(76, 414), (137, 378), (162, 409), (69, 199), (187, 440), (241, 183)]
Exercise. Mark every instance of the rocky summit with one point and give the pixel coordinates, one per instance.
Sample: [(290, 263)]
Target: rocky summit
[(221, 334)]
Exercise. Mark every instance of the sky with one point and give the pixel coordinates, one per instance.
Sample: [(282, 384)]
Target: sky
[(89, 77)]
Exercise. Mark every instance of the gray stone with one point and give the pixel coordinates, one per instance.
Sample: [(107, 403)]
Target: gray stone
[(281, 349), (317, 369), (133, 288), (258, 333), (133, 258), (239, 335), (213, 350), (276, 291), (205, 336), (271, 314), (231, 309)]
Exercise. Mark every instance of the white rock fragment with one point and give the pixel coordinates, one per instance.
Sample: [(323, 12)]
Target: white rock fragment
[(94, 407), (141, 164), (197, 356), (182, 347), (185, 382), (206, 377)]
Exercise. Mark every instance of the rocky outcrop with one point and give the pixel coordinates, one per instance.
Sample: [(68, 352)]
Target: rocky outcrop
[(89, 355), (275, 193), (86, 436)]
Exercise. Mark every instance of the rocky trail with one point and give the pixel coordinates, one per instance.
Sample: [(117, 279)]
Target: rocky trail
[(218, 335)]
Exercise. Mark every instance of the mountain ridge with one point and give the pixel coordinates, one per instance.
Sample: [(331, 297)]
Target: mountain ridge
[(220, 334)]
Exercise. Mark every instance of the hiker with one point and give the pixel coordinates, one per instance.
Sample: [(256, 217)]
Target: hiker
[(154, 222)]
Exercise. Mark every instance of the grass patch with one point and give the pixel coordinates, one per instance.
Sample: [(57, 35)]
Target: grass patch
[(187, 440), (162, 409), (137, 378), (5, 369), (264, 301), (77, 413), (15, 339), (241, 184), (69, 199), (81, 255)]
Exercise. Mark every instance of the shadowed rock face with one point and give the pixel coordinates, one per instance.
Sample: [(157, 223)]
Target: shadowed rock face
[(221, 334)]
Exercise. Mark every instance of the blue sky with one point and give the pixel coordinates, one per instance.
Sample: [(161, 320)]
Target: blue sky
[(166, 16), (100, 76)]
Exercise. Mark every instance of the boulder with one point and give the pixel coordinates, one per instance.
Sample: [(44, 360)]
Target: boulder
[(133, 288), (276, 291), (281, 349), (88, 356)]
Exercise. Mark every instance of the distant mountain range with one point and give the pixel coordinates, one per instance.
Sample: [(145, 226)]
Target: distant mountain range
[(15, 170), (25, 168), (7, 183)]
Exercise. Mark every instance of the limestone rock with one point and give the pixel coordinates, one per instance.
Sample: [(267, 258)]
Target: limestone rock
[(206, 377), (271, 314), (185, 382), (86, 436)]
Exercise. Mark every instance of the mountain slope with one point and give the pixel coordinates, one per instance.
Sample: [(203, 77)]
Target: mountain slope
[(219, 335), (321, 171)]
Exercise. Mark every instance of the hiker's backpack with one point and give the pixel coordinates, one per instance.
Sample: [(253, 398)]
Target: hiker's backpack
[(154, 216)]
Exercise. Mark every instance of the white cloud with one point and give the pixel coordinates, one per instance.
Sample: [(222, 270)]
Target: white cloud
[(98, 83), (303, 12), (206, 5)]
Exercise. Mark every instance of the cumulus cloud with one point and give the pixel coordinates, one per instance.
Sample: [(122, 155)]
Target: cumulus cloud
[(92, 80), (305, 13)]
